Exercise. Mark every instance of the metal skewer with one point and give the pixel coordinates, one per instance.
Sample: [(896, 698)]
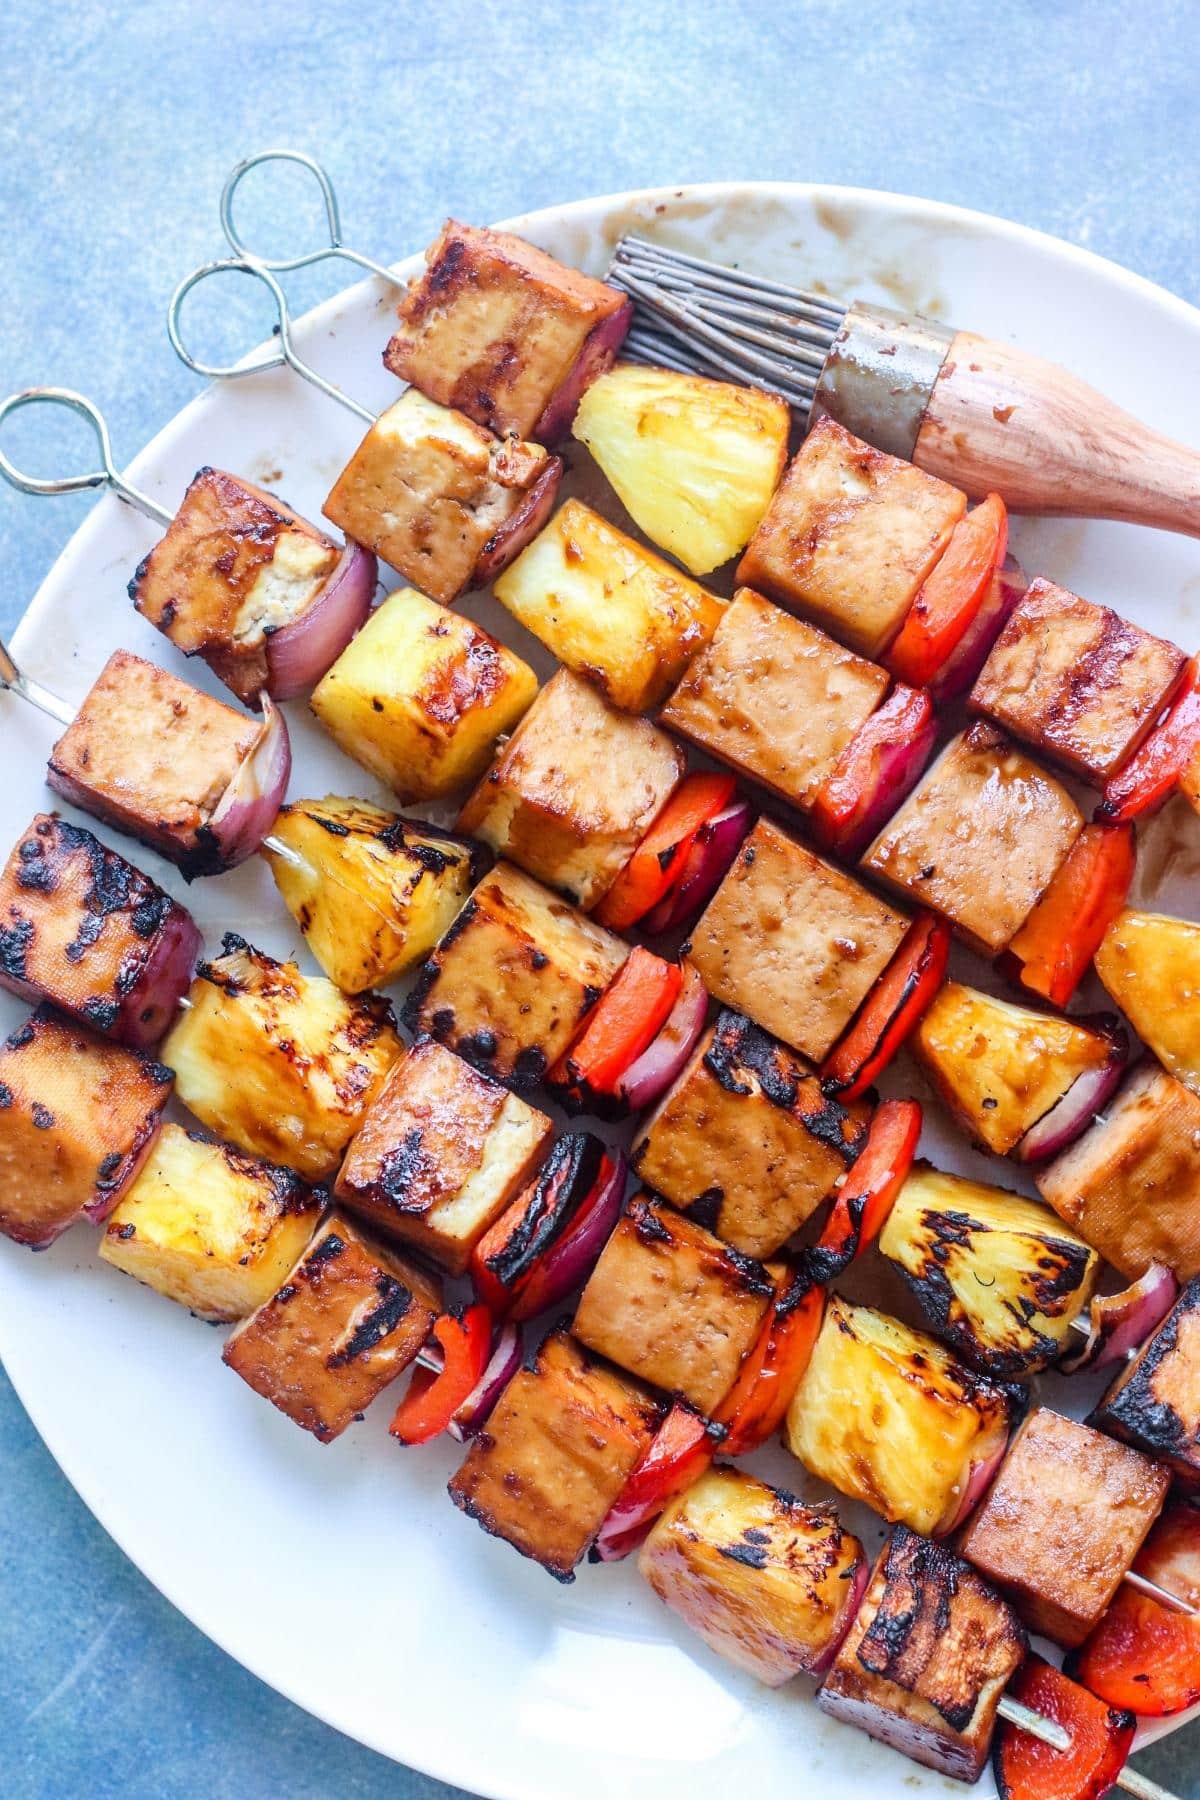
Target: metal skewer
[(335, 248), (106, 476)]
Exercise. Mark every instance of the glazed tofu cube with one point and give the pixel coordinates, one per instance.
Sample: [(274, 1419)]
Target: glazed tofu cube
[(1150, 964), (350, 1317), (765, 1581), (1076, 680), (83, 928), (153, 757), (886, 1415), (1154, 1403), (282, 1064), (927, 1659), (850, 536), (565, 1435), (1131, 1183), (574, 790), (420, 696), (674, 1305), (77, 1119), (234, 566), (793, 942), (513, 979), (744, 1141), (1063, 1521), (440, 1155), (774, 697), (496, 327), (979, 838), (371, 892), (614, 612)]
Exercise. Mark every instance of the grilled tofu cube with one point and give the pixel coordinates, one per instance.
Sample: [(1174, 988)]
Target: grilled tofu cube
[(998, 1276), (927, 1659), (1131, 1183), (886, 1415), (440, 1155), (82, 927), (765, 1581), (282, 1064), (744, 1141), (371, 892), (561, 1442), (420, 696), (350, 1317), (513, 979), (1076, 680), (1150, 964), (77, 1119), (774, 697), (850, 536), (1063, 1521), (674, 1305), (574, 790), (614, 612), (233, 566), (1154, 1403), (152, 756), (496, 327), (979, 838), (793, 942)]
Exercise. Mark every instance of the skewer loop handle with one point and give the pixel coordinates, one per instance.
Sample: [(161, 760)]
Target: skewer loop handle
[(335, 246)]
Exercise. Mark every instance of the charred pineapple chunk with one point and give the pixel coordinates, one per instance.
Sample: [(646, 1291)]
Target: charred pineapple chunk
[(610, 610), (1063, 1521), (371, 892), (513, 979), (998, 1276), (350, 1317), (574, 790), (926, 1661), (1150, 964), (77, 1119), (208, 1226), (886, 1415), (282, 1064), (1154, 1403), (563, 1439), (420, 696)]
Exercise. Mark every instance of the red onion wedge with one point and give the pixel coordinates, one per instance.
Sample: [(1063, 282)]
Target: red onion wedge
[(247, 809), (1120, 1323), (521, 526), (299, 653), (961, 668), (151, 1002), (979, 1479), (569, 1261), (651, 1074), (856, 1588), (1085, 1097), (598, 353), (877, 770), (707, 862), (505, 1360)]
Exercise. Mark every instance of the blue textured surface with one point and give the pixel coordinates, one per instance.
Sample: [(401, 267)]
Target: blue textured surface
[(117, 130)]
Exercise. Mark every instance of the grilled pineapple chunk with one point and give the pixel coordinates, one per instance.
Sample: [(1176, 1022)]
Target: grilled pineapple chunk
[(998, 1276), (209, 1227), (694, 462), (1150, 964), (371, 892)]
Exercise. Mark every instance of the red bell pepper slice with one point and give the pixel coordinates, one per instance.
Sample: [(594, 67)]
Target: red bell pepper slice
[(866, 1197), (1053, 950), (1152, 772), (1143, 1655), (623, 1023), (771, 1371), (875, 771), (892, 1009), (951, 594), (659, 859), (681, 1450), (1028, 1769), (433, 1399)]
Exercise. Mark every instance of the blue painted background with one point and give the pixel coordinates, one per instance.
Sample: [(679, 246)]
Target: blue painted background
[(118, 127)]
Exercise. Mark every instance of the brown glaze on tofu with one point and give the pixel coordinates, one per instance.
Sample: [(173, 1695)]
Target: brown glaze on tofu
[(1063, 1521), (1154, 1403)]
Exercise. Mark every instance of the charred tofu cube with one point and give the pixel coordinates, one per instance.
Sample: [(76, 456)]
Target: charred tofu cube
[(775, 697), (850, 536), (766, 1582), (1154, 1403), (440, 1155), (209, 1227), (793, 942), (1076, 680), (979, 838), (563, 1439), (744, 1141), (674, 1305), (498, 328), (612, 611), (234, 566), (1062, 1523), (1150, 964), (83, 928), (282, 1064), (350, 1317), (77, 1119), (513, 979), (574, 790), (420, 696), (927, 1659)]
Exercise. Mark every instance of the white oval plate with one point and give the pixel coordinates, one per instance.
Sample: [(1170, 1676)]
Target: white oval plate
[(342, 1575)]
